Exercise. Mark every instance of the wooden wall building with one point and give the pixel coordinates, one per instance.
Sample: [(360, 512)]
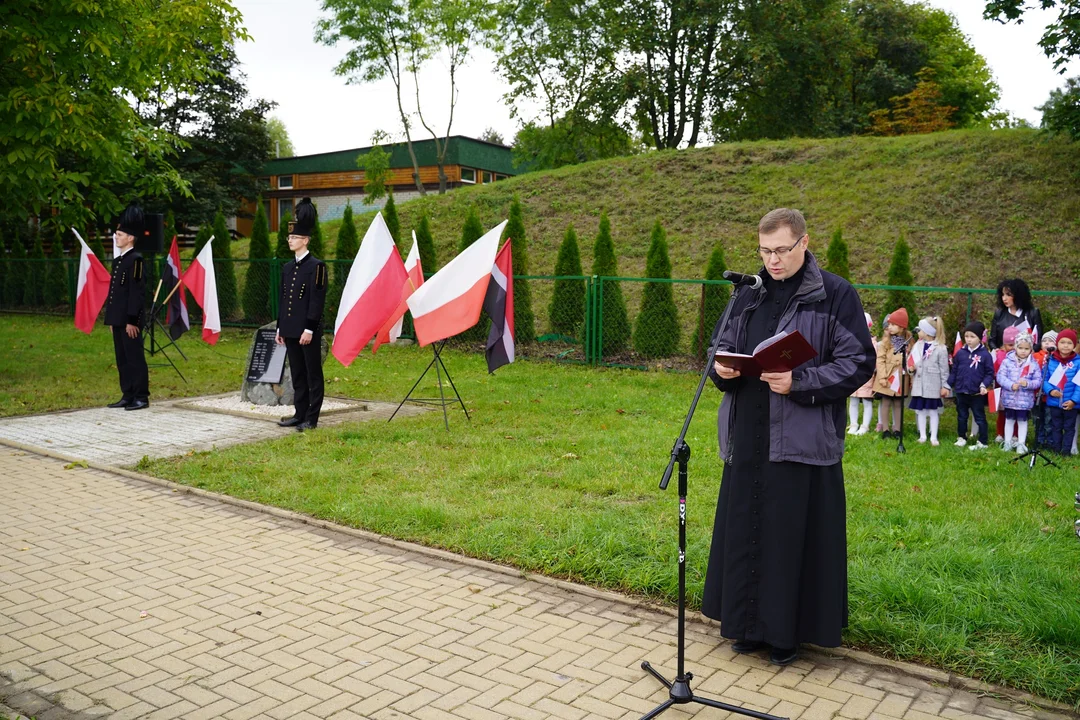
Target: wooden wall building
[(334, 179)]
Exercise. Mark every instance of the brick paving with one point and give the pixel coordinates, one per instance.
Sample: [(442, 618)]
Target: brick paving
[(121, 598), (162, 430)]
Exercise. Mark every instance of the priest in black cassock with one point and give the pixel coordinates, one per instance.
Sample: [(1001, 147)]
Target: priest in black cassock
[(777, 573)]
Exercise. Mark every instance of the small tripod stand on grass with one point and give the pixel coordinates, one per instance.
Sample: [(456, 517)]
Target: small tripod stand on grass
[(152, 322), (1034, 453)]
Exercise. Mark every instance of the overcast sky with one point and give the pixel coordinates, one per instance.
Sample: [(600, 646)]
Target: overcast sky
[(285, 64)]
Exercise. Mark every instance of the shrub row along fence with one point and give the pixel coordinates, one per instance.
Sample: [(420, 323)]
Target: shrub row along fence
[(622, 321)]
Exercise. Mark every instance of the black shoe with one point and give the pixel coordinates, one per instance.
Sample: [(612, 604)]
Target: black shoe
[(290, 422), (747, 646), (137, 405), (887, 435), (122, 402), (304, 426), (783, 656)]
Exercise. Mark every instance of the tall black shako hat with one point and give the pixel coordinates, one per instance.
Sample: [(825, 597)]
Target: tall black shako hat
[(304, 221), (131, 220)]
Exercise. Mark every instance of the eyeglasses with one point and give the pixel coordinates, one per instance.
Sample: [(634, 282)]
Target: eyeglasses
[(780, 252)]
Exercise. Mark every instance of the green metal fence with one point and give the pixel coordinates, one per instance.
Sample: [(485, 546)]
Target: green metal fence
[(584, 319)]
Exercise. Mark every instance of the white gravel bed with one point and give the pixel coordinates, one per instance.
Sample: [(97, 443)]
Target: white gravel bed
[(233, 403)]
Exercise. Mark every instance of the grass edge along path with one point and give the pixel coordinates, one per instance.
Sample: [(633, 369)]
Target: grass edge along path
[(957, 560)]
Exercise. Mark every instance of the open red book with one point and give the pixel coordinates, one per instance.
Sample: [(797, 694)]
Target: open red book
[(782, 352)]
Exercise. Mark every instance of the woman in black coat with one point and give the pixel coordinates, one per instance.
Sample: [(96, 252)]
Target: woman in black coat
[(1014, 307)]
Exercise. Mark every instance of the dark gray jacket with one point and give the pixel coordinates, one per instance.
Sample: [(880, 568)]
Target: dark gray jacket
[(807, 425)]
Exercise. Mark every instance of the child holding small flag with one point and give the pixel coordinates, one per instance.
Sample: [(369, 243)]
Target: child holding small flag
[(890, 384), (970, 379), (1008, 340), (929, 362), (1042, 356), (1062, 392), (1020, 378)]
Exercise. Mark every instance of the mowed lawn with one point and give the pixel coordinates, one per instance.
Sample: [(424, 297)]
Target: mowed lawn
[(957, 559)]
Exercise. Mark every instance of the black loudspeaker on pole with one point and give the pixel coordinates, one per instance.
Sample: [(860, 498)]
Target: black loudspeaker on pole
[(152, 240)]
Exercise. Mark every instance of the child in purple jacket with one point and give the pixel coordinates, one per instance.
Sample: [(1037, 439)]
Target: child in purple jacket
[(1019, 378)]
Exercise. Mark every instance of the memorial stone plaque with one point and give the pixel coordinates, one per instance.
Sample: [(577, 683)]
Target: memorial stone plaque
[(267, 363)]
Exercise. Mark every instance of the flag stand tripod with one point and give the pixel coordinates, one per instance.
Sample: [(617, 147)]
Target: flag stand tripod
[(440, 368), (149, 331)]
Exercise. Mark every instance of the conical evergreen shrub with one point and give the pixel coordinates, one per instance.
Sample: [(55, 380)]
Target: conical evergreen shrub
[(472, 231), (281, 249), (566, 313), (34, 289), (715, 299), (656, 333), (224, 268), (257, 278), (900, 274), (56, 276), (836, 256), (344, 254), (426, 245), (315, 242), (393, 224), (170, 230), (615, 322), (524, 321), (201, 237)]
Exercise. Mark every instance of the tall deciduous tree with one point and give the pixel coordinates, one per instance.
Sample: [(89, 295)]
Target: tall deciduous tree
[(1061, 112), (566, 314), (682, 51), (71, 74), (616, 323), (563, 55), (280, 143), (656, 333), (376, 166), (226, 140), (1060, 40), (383, 36), (450, 29), (257, 280), (524, 321)]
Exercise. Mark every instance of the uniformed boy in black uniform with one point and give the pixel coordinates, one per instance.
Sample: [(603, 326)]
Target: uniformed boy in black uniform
[(124, 312), (300, 309)]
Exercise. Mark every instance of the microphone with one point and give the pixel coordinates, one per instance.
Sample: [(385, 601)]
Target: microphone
[(754, 281)]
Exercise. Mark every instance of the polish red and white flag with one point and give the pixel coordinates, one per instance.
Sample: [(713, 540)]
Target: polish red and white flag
[(414, 278), (371, 293), (201, 282), (451, 300), (993, 399), (92, 288), (894, 381), (1057, 378)]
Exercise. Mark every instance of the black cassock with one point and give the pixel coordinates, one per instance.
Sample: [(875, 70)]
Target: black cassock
[(777, 569)]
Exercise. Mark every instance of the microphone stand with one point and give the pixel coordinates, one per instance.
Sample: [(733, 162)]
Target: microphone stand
[(679, 691), (1034, 453), (903, 374)]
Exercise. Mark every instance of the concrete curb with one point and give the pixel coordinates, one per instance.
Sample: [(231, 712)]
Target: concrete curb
[(920, 672)]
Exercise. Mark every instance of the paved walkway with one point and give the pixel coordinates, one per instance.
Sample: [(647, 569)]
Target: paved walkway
[(129, 599), (164, 429)]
